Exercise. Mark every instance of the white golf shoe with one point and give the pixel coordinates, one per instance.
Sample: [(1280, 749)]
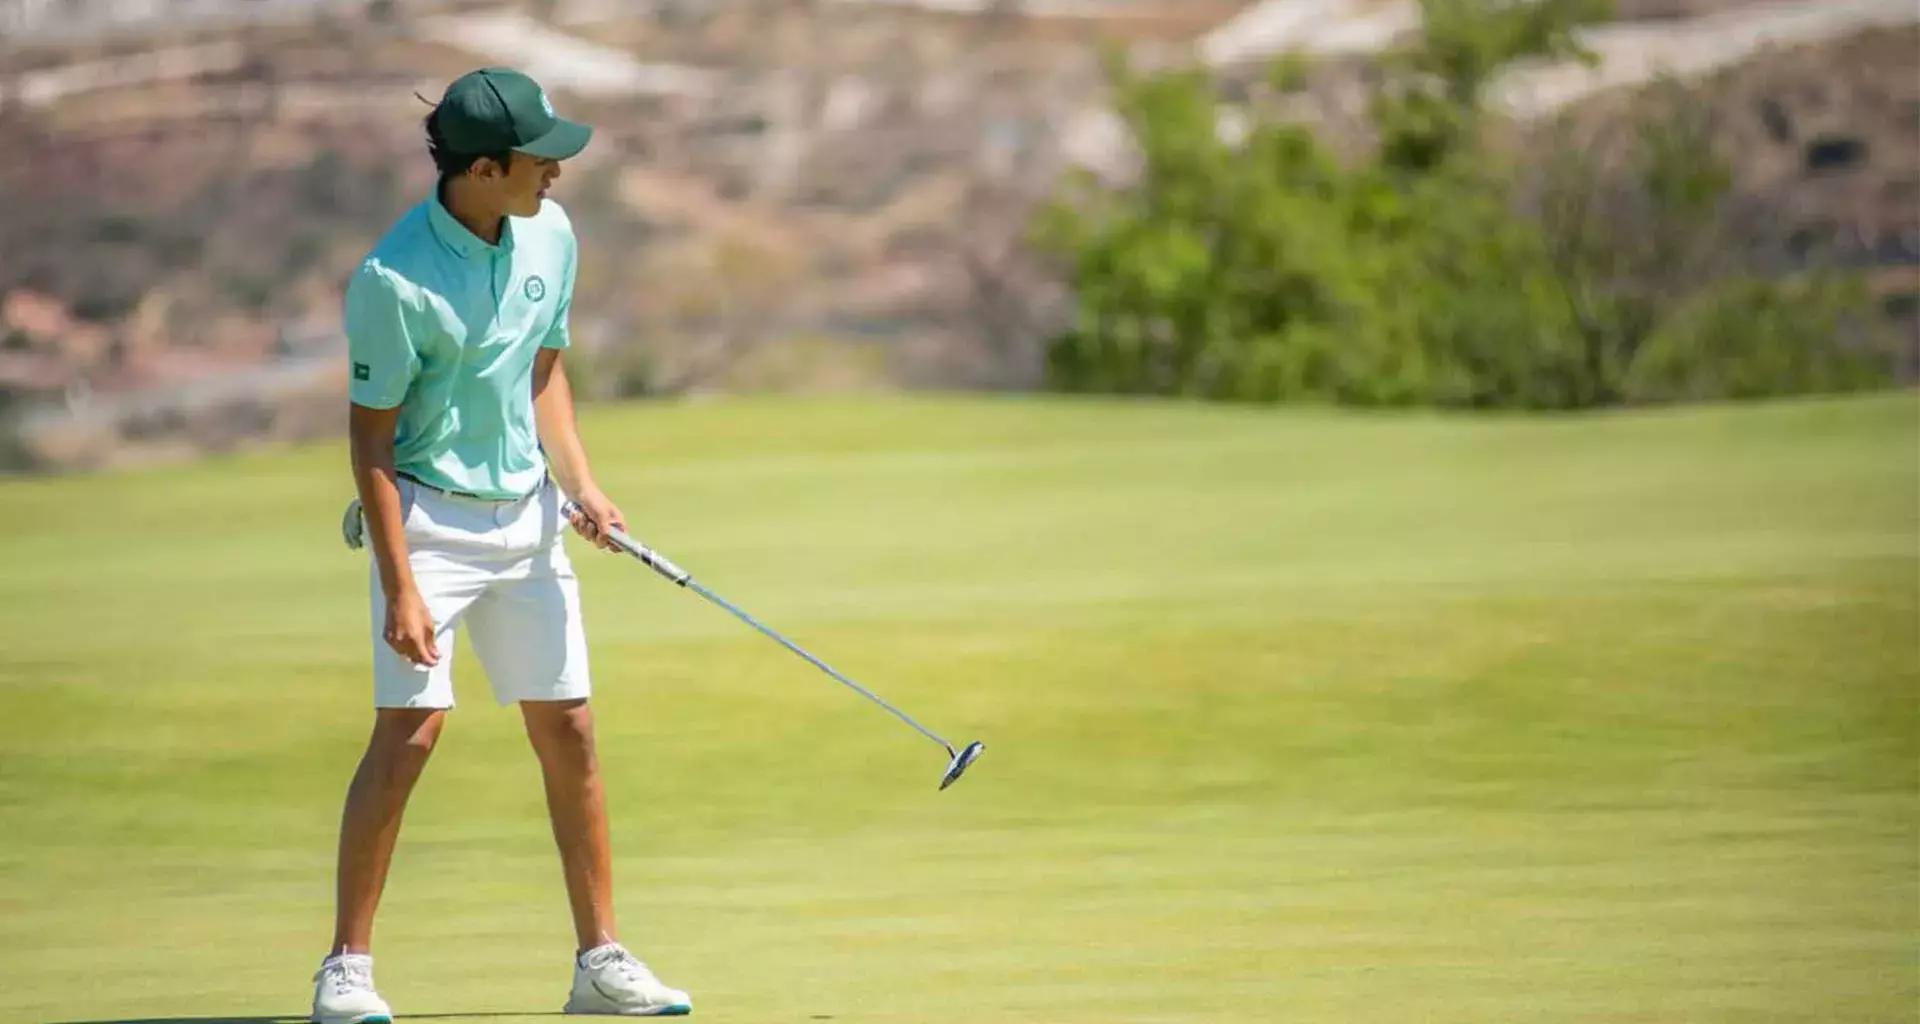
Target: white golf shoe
[(343, 992), (609, 980)]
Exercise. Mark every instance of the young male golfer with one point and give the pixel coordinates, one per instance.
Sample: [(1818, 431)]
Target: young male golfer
[(463, 446)]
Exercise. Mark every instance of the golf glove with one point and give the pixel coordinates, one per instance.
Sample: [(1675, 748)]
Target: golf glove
[(353, 529)]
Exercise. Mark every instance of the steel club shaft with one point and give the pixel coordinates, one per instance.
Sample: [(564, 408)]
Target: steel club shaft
[(665, 567)]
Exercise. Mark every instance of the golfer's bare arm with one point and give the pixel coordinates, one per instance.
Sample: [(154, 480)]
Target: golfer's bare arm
[(370, 436), (559, 432)]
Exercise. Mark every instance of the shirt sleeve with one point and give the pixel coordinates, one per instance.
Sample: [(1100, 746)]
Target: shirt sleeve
[(560, 335), (381, 342)]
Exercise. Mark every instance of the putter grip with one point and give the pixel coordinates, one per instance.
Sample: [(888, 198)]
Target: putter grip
[(650, 558)]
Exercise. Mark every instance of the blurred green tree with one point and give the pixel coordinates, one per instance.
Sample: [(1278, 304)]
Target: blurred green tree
[(1434, 269)]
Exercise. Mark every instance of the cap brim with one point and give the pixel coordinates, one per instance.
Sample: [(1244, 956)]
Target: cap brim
[(565, 140)]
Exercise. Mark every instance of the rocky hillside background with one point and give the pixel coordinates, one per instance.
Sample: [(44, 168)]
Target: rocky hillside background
[(782, 194)]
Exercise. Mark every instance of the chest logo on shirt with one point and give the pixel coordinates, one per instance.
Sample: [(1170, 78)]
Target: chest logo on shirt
[(536, 289)]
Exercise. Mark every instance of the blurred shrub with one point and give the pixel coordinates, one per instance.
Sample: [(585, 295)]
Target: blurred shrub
[(1748, 338), (16, 455), (1437, 269)]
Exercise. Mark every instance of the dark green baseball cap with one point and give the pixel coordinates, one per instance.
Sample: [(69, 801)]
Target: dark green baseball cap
[(496, 109)]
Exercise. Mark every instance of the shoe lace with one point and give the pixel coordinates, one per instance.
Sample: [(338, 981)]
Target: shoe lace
[(349, 976), (630, 966)]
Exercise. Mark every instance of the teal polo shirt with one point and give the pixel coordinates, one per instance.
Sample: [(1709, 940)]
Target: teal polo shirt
[(446, 327)]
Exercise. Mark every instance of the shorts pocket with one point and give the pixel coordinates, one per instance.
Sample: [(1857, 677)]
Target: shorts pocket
[(409, 501)]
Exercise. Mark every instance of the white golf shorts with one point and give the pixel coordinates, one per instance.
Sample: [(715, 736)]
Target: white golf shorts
[(500, 569)]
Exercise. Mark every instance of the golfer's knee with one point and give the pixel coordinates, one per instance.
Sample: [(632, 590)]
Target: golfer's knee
[(402, 743), (563, 737)]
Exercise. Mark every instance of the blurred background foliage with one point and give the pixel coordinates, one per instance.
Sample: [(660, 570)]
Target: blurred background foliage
[(1460, 261)]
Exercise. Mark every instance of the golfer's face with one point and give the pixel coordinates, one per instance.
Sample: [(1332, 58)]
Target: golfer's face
[(526, 183)]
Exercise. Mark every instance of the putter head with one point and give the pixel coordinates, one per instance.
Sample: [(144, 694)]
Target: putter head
[(961, 761)]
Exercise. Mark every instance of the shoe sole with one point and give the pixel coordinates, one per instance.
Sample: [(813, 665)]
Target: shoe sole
[(664, 1011), (367, 1018)]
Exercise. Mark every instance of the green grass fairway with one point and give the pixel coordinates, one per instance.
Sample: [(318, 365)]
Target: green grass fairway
[(1290, 716)]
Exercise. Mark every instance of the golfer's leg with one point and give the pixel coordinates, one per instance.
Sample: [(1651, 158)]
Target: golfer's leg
[(562, 737), (529, 633), (410, 703), (396, 754)]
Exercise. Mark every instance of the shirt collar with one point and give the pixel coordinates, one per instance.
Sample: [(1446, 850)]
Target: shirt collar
[(460, 241)]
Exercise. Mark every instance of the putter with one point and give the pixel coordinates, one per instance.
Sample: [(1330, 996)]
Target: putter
[(959, 760)]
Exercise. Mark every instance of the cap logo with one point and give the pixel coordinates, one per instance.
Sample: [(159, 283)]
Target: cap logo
[(536, 289)]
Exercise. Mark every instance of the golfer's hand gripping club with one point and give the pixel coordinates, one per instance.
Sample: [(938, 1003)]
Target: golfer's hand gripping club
[(653, 559), (961, 758)]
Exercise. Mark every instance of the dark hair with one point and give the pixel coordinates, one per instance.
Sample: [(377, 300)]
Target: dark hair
[(451, 164)]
